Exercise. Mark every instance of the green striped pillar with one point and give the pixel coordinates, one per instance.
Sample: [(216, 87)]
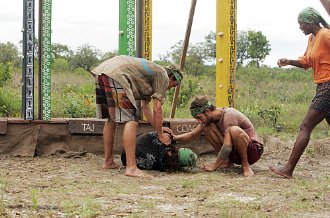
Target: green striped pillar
[(127, 27), (46, 48)]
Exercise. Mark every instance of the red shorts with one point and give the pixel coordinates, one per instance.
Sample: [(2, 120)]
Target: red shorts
[(255, 150)]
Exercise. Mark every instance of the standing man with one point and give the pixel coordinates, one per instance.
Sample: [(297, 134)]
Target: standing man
[(230, 133), (119, 82)]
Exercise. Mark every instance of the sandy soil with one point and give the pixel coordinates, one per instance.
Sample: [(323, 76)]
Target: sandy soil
[(75, 186)]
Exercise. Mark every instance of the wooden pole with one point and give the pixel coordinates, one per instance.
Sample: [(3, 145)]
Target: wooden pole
[(39, 62), (184, 52), (326, 5)]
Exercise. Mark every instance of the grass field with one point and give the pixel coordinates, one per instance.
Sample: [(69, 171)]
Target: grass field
[(274, 99)]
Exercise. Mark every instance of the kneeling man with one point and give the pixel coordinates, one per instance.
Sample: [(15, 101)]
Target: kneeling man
[(230, 133)]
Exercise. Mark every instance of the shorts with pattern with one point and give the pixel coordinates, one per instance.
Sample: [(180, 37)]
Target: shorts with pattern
[(112, 101), (255, 150), (321, 101)]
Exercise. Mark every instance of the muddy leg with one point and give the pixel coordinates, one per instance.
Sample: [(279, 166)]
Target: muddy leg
[(109, 132), (311, 119)]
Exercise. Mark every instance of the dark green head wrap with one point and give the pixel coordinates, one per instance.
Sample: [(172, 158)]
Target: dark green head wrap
[(176, 71), (198, 110), (312, 16)]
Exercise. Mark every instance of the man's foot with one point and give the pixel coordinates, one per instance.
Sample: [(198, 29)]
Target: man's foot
[(111, 165), (208, 167), (282, 172), (136, 172), (248, 172), (227, 164)]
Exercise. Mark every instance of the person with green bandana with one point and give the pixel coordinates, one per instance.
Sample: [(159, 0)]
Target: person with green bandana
[(120, 82), (152, 154), (230, 133), (317, 57)]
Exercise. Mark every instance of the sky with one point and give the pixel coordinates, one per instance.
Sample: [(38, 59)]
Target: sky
[(77, 22)]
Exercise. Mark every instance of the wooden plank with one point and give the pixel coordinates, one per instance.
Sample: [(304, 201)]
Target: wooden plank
[(86, 126), (3, 126), (17, 120), (183, 126)]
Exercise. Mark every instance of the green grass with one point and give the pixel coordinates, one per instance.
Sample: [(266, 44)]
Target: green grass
[(2, 193), (275, 100)]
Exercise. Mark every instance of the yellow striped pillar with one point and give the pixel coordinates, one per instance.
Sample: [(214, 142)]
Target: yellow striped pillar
[(226, 34), (147, 39)]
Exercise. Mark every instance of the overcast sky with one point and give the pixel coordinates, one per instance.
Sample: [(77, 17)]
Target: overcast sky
[(77, 22)]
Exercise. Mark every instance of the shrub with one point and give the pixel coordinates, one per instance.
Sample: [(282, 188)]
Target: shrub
[(6, 72), (60, 65)]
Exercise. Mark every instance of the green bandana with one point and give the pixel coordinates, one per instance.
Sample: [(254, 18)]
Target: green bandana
[(312, 16), (176, 71), (187, 158), (198, 110), (177, 76)]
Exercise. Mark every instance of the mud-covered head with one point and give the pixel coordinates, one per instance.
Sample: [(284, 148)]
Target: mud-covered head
[(200, 104), (175, 71)]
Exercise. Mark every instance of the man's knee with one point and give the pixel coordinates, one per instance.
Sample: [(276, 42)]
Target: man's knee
[(236, 132)]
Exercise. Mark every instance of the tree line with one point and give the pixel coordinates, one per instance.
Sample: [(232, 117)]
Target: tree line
[(252, 48)]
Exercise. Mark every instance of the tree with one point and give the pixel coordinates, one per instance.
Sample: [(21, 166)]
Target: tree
[(60, 65), (174, 54), (8, 53), (242, 47), (60, 51), (108, 55), (251, 46), (195, 60), (86, 57), (6, 72), (259, 47), (210, 46)]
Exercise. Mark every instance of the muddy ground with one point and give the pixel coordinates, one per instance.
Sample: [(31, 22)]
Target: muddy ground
[(75, 186)]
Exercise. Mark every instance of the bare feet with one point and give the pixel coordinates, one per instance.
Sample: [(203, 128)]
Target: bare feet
[(208, 167), (136, 172), (247, 171), (227, 164), (111, 165), (281, 172)]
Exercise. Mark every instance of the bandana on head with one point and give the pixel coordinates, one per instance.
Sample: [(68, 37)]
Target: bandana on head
[(176, 71), (198, 110), (312, 16), (187, 158), (177, 76)]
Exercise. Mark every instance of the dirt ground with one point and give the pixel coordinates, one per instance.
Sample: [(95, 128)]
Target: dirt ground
[(75, 186)]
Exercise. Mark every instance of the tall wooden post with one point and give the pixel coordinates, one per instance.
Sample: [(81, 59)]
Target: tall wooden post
[(184, 53), (326, 5)]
